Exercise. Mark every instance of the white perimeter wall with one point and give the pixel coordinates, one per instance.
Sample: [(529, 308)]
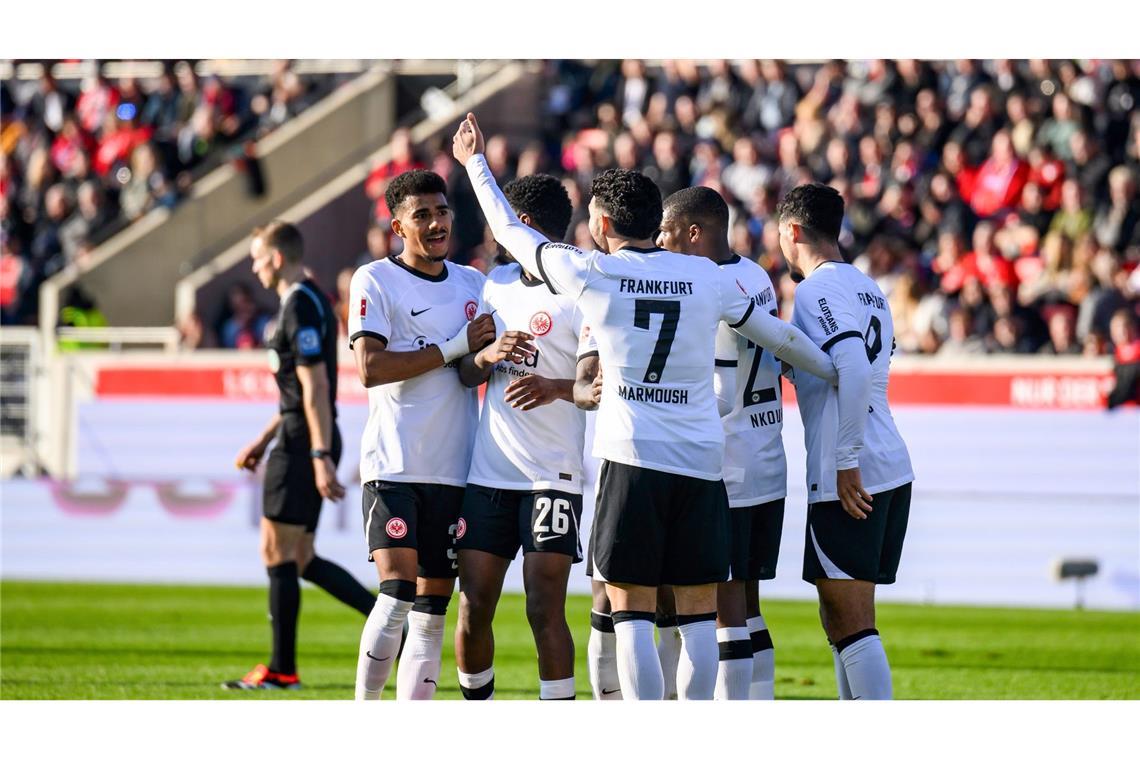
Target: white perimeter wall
[(1001, 494)]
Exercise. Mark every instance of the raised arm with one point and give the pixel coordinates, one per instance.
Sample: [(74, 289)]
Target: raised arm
[(520, 240)]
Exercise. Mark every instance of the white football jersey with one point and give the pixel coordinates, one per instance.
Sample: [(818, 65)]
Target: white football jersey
[(419, 430), (539, 449), (653, 315), (755, 469), (838, 302)]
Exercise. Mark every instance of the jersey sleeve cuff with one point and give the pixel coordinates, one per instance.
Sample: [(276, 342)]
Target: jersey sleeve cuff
[(366, 333), (587, 355), (744, 319), (841, 336)]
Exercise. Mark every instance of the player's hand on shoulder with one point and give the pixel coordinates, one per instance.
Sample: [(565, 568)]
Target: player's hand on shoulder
[(327, 484), (512, 345), (480, 332), (531, 392), (849, 485), (468, 140)]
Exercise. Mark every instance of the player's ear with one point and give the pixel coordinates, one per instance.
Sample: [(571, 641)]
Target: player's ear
[(694, 233), (525, 219), (397, 227)]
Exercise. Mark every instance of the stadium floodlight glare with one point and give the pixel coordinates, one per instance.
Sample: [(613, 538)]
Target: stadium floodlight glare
[(1078, 569)]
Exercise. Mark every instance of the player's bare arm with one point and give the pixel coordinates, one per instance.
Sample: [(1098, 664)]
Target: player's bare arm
[(375, 365), (587, 390), (513, 345), (318, 415), (250, 456), (533, 391)]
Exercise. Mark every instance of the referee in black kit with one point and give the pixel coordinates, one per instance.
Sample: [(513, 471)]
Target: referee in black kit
[(301, 470)]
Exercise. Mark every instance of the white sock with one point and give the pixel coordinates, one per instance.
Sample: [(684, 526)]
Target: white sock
[(418, 676), (601, 657), (840, 675), (763, 660), (669, 652), (734, 670), (639, 670), (696, 671), (563, 688), (380, 640), (865, 662), (478, 685)]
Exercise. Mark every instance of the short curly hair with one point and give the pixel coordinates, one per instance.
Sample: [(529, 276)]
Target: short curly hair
[(544, 199), (415, 182), (631, 200), (817, 208)]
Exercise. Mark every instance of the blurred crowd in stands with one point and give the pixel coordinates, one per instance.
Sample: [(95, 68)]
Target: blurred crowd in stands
[(995, 202), (82, 159)]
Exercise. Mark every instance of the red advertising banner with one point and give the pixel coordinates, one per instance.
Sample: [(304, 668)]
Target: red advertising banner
[(1028, 389)]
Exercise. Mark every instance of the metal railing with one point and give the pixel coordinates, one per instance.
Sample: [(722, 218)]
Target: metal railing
[(21, 367)]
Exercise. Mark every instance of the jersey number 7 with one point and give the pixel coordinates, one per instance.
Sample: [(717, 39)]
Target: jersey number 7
[(670, 312)]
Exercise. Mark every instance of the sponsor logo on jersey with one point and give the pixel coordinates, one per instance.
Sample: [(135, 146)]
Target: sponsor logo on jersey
[(540, 323), (469, 309), (363, 306), (396, 528), (826, 321), (421, 311), (460, 528)]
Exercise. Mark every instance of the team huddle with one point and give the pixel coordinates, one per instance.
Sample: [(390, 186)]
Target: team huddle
[(674, 344)]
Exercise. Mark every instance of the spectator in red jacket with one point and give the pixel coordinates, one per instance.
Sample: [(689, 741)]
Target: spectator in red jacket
[(403, 159), (986, 259), (1000, 180), (1126, 342)]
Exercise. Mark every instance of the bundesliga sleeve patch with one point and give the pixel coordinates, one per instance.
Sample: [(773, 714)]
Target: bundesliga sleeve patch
[(308, 341)]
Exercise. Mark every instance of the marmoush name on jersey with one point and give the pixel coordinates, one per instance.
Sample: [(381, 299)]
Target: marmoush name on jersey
[(654, 395)]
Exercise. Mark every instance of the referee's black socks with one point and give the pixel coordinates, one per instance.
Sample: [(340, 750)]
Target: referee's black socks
[(284, 606), (340, 584)]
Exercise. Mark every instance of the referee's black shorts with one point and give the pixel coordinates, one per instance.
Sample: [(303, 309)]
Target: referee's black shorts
[(653, 528), (290, 494)]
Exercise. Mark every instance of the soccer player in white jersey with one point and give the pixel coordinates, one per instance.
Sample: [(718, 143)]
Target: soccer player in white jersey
[(410, 318), (747, 384), (662, 513), (858, 468), (525, 485)]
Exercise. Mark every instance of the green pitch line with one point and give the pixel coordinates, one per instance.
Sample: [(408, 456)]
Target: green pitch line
[(88, 641)]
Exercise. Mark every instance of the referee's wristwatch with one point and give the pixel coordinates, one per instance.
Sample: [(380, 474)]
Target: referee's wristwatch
[(320, 453)]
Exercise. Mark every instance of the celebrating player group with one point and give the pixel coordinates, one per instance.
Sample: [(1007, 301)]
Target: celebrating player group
[(673, 342)]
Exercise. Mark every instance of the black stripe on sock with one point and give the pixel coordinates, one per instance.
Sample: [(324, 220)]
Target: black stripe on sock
[(687, 619), (844, 643), (600, 622), (761, 641), (555, 699), (482, 692), (405, 591), (432, 605), (740, 649), (666, 621), (625, 615)]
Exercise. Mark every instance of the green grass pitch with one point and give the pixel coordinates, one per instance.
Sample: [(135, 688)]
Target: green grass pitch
[(91, 641)]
